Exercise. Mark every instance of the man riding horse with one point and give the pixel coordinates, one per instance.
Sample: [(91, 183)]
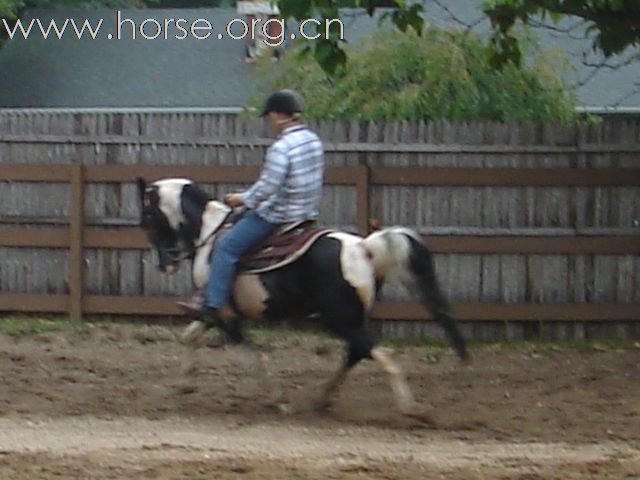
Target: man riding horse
[(288, 190), (333, 278)]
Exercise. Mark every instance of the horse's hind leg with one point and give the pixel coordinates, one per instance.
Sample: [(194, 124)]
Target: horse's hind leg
[(360, 346)]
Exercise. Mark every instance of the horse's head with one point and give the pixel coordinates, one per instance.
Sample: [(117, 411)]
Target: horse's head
[(172, 218)]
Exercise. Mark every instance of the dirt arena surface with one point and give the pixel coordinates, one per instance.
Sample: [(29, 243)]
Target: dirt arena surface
[(111, 401)]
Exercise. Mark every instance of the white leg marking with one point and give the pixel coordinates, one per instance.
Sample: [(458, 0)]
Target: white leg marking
[(399, 385), (193, 332)]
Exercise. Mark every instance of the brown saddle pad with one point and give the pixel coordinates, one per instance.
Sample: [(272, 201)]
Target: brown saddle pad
[(281, 248)]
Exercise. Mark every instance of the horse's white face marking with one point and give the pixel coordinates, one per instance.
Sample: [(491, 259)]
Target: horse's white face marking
[(356, 266), (250, 296), (169, 192)]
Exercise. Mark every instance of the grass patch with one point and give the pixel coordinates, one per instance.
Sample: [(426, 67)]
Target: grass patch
[(540, 346), (284, 332), (547, 346), (18, 327), (400, 343)]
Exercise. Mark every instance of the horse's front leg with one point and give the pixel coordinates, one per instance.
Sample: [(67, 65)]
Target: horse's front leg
[(255, 361), (193, 333), (358, 347), (192, 337), (331, 387)]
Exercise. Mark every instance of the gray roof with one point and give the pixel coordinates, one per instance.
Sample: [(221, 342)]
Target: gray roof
[(126, 72), (212, 73)]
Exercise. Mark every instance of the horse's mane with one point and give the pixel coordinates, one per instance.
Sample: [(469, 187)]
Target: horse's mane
[(193, 202)]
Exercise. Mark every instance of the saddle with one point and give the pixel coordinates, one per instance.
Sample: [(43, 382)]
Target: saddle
[(287, 244)]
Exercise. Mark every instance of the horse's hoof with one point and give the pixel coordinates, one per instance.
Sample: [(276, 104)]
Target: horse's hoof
[(321, 406), (189, 368), (193, 332), (414, 413), (285, 409), (186, 389)]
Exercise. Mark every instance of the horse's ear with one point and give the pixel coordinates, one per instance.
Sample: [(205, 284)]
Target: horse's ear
[(142, 186)]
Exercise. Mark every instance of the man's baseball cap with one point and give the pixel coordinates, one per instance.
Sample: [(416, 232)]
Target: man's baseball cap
[(283, 101)]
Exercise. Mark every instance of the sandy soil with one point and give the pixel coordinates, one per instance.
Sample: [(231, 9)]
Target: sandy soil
[(113, 402)]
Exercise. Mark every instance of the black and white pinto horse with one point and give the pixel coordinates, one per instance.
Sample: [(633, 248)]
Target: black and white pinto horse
[(336, 279)]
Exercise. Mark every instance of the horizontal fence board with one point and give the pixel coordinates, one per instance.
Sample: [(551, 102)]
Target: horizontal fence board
[(13, 172), (127, 239), (16, 172), (34, 303), (135, 238), (56, 237), (201, 173), (423, 176), (534, 245), (505, 177), (120, 305)]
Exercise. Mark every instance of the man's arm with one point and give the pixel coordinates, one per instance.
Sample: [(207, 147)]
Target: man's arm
[(271, 179)]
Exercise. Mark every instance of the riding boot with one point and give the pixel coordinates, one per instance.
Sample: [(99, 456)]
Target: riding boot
[(208, 319), (231, 328)]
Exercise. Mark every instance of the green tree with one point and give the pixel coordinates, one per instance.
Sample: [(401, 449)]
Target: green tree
[(435, 76), (615, 22)]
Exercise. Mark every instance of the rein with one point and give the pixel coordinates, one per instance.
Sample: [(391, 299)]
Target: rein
[(178, 255)]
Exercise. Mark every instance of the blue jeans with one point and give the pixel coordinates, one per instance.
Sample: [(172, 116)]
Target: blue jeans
[(247, 233)]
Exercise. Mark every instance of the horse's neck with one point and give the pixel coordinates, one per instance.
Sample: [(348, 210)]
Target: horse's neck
[(213, 217)]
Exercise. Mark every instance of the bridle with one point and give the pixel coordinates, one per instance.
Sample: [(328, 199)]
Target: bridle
[(177, 255)]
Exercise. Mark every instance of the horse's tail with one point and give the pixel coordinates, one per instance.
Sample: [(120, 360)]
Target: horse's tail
[(399, 254)]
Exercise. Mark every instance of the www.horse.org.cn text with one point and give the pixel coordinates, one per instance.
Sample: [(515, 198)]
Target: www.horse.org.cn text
[(273, 31)]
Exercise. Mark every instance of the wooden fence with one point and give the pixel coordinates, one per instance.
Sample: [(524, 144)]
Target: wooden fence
[(528, 224)]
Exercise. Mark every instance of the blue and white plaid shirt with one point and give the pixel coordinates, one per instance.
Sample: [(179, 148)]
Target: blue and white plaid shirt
[(290, 185)]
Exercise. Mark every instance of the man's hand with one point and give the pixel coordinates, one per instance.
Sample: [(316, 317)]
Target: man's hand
[(233, 200)]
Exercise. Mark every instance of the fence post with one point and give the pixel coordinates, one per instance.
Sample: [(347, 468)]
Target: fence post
[(363, 183), (76, 226)]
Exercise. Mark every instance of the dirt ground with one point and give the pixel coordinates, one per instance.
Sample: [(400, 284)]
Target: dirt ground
[(112, 401)]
